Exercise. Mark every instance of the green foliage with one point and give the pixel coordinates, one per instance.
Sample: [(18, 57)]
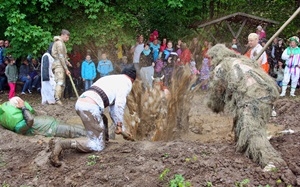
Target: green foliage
[(163, 174), (209, 184), (31, 25), (178, 181), (243, 183), (92, 160), (166, 155), (4, 184)]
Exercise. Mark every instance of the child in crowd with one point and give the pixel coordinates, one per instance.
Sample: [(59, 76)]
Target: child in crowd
[(193, 68), (11, 73), (204, 73), (279, 71), (159, 64)]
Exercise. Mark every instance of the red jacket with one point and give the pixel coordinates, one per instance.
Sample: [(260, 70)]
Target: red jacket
[(185, 57)]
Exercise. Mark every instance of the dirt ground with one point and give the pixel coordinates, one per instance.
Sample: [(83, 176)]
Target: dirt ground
[(205, 156)]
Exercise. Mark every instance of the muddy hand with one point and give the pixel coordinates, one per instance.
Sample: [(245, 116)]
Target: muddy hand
[(127, 136)]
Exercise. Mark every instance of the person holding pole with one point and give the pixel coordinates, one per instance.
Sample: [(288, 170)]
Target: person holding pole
[(254, 50), (59, 66)]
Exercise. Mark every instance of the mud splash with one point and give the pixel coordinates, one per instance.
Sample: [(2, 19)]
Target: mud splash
[(153, 115)]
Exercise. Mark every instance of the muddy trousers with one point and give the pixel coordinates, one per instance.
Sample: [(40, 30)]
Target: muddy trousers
[(69, 131), (97, 131), (60, 79), (250, 133)]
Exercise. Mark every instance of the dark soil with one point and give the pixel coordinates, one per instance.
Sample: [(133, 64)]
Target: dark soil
[(204, 156)]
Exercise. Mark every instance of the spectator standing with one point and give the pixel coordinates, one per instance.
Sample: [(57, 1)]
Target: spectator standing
[(25, 77), (147, 67), (3, 77), (178, 47), (167, 51), (154, 47), (137, 50), (260, 32), (35, 74), (185, 57), (204, 72), (255, 49), (277, 50), (196, 50), (47, 76), (104, 66), (1, 51), (238, 46), (88, 72), (169, 67), (163, 45), (77, 77), (11, 73), (121, 65), (279, 71), (291, 55), (235, 49), (6, 46)]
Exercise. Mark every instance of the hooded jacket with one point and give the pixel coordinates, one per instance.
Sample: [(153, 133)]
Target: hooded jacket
[(59, 52)]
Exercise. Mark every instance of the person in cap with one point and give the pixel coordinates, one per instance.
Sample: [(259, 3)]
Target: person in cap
[(109, 91), (291, 55)]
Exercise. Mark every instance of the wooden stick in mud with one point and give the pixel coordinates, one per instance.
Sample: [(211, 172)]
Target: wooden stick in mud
[(277, 33), (73, 85)]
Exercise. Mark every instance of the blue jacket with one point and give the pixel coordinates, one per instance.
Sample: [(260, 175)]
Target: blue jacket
[(104, 68), (24, 71), (88, 70)]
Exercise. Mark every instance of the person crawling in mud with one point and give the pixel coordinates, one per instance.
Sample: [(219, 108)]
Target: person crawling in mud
[(17, 115), (241, 86), (109, 91)]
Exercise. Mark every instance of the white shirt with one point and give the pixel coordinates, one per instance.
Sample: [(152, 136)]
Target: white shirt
[(255, 51), (137, 53), (116, 88)]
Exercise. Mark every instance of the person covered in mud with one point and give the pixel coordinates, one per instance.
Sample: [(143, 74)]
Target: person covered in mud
[(241, 86), (17, 115), (112, 91), (59, 66)]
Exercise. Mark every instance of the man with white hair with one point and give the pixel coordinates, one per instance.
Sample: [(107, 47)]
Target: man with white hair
[(255, 49), (17, 115)]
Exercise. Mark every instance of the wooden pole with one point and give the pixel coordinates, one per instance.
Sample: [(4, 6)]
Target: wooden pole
[(73, 85), (278, 32)]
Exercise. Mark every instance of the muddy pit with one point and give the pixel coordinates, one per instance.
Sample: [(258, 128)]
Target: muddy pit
[(204, 156)]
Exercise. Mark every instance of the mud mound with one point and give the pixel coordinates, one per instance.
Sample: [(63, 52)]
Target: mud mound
[(287, 113)]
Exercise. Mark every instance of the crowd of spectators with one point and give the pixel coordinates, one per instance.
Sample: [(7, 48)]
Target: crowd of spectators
[(151, 57)]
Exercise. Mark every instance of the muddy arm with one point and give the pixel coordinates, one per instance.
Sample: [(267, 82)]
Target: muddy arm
[(28, 119)]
